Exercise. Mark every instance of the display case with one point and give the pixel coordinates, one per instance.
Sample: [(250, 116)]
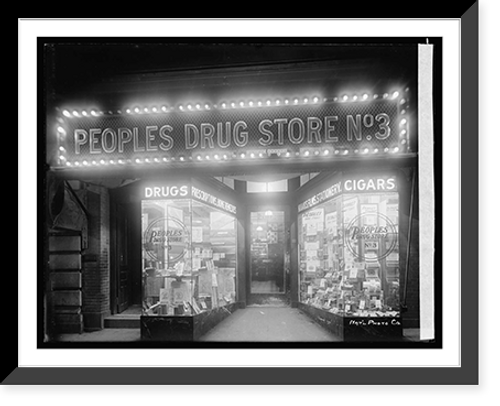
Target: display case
[(188, 260), (349, 256)]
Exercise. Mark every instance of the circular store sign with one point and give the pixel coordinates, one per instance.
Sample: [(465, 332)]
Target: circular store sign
[(166, 240), (371, 236)]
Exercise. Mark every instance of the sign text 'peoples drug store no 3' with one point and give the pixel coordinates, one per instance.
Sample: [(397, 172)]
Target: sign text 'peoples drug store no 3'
[(340, 128)]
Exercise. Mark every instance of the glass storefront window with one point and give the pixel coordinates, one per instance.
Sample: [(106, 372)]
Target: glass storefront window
[(348, 255), (188, 257), (214, 256), (371, 257), (321, 255)]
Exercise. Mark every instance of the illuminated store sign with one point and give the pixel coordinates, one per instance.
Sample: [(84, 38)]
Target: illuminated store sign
[(212, 200), (318, 198), (370, 185), (338, 127), (351, 185), (160, 192)]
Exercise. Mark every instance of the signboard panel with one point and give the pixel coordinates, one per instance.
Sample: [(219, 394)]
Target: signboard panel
[(351, 184), (162, 191), (296, 129)]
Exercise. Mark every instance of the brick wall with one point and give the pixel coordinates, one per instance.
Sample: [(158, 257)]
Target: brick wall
[(105, 260), (96, 261), (85, 211)]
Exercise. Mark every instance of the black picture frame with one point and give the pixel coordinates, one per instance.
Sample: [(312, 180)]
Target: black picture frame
[(466, 374)]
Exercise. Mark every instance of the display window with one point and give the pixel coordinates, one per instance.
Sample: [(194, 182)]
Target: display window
[(188, 257), (370, 282), (349, 249), (321, 253)]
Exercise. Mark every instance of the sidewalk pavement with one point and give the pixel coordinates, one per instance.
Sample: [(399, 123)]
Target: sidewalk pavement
[(105, 335), (276, 324), (252, 324)]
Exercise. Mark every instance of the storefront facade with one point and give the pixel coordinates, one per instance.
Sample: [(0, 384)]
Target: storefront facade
[(191, 194)]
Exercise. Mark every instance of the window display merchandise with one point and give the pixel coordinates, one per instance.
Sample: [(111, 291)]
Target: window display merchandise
[(188, 255), (349, 253)]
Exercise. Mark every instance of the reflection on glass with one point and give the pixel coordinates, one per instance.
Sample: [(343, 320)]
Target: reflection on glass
[(267, 251), (188, 256), (348, 255)]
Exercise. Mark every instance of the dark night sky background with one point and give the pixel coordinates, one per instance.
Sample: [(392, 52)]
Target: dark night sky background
[(75, 65)]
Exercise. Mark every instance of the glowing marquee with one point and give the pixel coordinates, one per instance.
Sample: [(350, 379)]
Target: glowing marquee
[(335, 127)]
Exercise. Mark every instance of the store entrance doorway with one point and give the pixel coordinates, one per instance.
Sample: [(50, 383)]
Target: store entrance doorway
[(269, 253), (125, 265)]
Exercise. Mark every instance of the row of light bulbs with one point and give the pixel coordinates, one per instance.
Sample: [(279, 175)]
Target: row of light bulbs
[(234, 105), (223, 157)]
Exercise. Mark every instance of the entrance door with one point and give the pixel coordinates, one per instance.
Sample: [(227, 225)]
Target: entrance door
[(125, 251), (123, 280), (125, 289), (268, 255)]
